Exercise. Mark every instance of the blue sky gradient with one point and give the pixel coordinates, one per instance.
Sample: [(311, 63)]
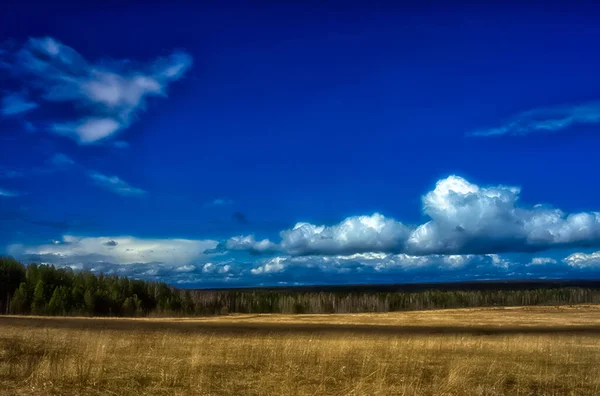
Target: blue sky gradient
[(313, 143)]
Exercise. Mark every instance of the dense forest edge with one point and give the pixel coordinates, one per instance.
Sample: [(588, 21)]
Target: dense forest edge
[(47, 290)]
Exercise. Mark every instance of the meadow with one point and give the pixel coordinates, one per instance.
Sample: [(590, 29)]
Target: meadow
[(488, 351)]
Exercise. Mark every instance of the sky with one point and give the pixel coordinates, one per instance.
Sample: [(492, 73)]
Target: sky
[(259, 144)]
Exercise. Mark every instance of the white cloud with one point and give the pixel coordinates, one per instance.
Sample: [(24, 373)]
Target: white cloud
[(542, 261), (186, 268), (210, 268), (107, 95), (115, 184), (378, 262), (16, 103), (465, 219), (546, 120), (354, 235), (184, 261), (88, 130), (583, 260), (276, 264), (119, 250), (248, 243)]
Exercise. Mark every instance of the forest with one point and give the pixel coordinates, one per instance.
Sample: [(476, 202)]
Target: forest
[(48, 290)]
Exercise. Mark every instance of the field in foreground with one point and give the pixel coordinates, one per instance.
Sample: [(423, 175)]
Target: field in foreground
[(524, 351)]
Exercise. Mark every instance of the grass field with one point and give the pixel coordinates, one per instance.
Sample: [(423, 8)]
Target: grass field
[(520, 351)]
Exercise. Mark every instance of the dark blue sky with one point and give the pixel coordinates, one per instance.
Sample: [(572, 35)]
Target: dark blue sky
[(201, 130)]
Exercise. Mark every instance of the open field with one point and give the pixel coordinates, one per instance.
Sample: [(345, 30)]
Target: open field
[(495, 351)]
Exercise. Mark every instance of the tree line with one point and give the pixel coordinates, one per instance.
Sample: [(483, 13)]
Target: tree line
[(47, 290)]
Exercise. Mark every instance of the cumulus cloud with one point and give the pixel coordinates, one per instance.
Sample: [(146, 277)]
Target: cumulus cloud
[(16, 103), (117, 250), (276, 264), (115, 184), (219, 268), (464, 219), (246, 243), (583, 260), (542, 261), (546, 120), (108, 96), (356, 234)]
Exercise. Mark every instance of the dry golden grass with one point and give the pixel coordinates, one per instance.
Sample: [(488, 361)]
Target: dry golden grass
[(520, 351)]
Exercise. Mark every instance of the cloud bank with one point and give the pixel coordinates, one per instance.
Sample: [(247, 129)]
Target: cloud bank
[(183, 262), (472, 232), (464, 219), (118, 250), (106, 95)]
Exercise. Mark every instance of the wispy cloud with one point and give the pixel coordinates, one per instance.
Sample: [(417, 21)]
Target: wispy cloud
[(219, 202), (115, 184), (16, 103), (108, 96), (61, 160), (8, 194), (10, 174), (545, 120), (29, 126), (57, 162)]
